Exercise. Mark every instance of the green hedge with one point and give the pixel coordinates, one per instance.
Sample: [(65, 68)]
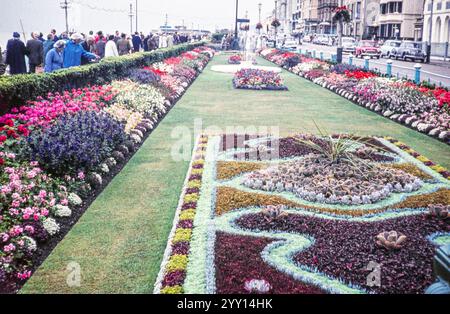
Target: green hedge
[(16, 90)]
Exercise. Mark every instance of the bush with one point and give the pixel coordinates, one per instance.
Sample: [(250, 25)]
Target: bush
[(15, 90), (76, 142)]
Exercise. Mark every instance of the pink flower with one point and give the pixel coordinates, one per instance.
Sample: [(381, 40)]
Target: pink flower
[(4, 237), (29, 229), (42, 194), (64, 202), (9, 248), (81, 175)]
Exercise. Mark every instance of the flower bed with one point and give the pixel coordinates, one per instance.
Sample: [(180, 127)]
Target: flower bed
[(258, 80), (235, 59), (246, 223), (422, 108), (58, 152)]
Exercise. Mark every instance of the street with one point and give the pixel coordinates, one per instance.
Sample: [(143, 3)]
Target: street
[(437, 71)]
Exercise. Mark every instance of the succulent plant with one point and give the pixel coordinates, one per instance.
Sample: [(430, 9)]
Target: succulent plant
[(391, 240), (439, 211), (274, 212)]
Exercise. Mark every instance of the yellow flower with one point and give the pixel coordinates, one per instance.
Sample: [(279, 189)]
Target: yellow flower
[(423, 158), (188, 214), (194, 184), (177, 262), (182, 235), (172, 290), (189, 198)]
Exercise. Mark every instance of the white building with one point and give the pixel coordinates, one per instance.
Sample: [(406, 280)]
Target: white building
[(441, 21)]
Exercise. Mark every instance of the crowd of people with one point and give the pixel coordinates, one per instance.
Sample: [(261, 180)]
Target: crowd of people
[(74, 49)]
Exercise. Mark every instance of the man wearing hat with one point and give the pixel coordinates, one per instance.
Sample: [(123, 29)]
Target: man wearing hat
[(74, 52), (15, 55)]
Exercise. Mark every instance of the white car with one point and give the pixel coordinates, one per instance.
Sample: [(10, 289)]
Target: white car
[(349, 44), (389, 48), (290, 45)]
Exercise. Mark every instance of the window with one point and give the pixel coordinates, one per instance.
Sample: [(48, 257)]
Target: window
[(429, 6), (439, 6), (447, 5), (383, 8)]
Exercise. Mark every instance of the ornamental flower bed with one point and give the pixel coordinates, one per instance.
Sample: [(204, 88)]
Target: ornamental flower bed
[(235, 59), (285, 215), (59, 151), (421, 108), (258, 80)]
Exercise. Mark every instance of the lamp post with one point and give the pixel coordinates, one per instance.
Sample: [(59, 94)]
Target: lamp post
[(136, 15), (276, 9), (430, 33), (236, 20)]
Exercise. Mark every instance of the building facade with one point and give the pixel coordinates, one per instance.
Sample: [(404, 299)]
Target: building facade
[(325, 12), (364, 18), (309, 20), (441, 21), (400, 19)]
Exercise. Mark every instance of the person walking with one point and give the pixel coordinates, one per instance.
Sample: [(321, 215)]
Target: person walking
[(162, 41), (152, 43), (123, 45), (55, 37), (48, 45), (15, 55), (170, 41), (137, 42), (89, 46), (111, 48), (74, 52), (100, 46), (55, 57), (35, 50)]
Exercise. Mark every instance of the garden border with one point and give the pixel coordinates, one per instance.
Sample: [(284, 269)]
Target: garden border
[(66, 224)]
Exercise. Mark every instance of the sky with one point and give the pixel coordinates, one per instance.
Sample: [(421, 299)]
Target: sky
[(85, 15)]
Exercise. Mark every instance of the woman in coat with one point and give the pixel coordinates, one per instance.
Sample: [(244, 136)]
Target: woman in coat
[(111, 48), (54, 59), (74, 51)]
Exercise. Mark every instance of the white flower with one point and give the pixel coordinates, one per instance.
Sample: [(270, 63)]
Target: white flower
[(74, 199), (104, 168), (62, 211), (51, 226), (30, 244), (257, 286)]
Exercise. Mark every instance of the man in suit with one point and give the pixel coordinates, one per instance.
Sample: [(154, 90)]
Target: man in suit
[(35, 52)]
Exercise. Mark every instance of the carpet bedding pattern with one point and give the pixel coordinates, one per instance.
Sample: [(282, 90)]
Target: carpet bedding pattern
[(235, 234)]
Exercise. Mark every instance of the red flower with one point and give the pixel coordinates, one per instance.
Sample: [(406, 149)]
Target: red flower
[(3, 138), (9, 123), (2, 161)]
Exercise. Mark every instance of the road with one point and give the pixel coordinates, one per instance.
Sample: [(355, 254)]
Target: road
[(437, 72)]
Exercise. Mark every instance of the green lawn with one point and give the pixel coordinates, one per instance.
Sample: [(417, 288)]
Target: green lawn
[(120, 240)]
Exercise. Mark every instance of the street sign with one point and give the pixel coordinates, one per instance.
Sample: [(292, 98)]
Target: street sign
[(243, 20)]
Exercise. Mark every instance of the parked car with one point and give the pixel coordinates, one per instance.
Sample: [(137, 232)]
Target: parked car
[(349, 44), (389, 48), (290, 45), (411, 50), (322, 40), (306, 38), (367, 48)]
